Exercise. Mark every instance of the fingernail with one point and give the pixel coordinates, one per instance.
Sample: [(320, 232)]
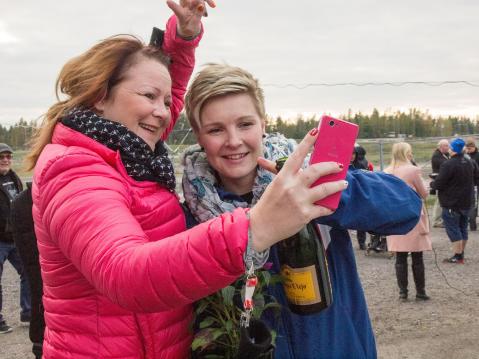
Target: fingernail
[(346, 183), (213, 4), (340, 165), (313, 132)]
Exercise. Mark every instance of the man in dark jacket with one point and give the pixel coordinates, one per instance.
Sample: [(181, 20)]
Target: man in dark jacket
[(359, 161), (440, 155), (10, 186), (455, 182), (473, 153), (26, 243)]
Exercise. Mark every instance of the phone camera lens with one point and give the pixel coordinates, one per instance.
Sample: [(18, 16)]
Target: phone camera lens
[(331, 123)]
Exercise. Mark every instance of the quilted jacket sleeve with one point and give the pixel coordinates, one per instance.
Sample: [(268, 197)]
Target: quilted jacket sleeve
[(182, 54), (376, 202), (85, 210)]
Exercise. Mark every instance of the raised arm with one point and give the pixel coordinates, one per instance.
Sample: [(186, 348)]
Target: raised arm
[(182, 36), (376, 202)]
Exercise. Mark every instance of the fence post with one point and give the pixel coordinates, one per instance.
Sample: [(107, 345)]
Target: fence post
[(381, 165)]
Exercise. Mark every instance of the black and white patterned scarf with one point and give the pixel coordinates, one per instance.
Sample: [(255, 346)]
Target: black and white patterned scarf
[(141, 163)]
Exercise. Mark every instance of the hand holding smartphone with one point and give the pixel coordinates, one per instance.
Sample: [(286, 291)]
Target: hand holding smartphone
[(335, 143)]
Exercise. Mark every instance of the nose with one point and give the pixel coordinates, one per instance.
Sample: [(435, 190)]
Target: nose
[(234, 138), (162, 112)]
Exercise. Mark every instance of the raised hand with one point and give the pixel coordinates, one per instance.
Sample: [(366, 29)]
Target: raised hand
[(189, 13), (288, 202)]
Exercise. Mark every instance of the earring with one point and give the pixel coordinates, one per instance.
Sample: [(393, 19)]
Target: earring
[(264, 135)]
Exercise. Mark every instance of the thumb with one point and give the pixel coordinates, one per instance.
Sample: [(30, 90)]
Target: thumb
[(267, 165)]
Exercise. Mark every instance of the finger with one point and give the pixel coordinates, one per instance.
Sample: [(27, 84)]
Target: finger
[(201, 9), (320, 211), (326, 189), (296, 159), (317, 170), (176, 8), (267, 165), (211, 3)]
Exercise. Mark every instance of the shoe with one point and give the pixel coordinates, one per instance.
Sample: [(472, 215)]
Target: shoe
[(4, 328), (362, 247), (25, 317), (422, 296), (454, 259), (403, 296)]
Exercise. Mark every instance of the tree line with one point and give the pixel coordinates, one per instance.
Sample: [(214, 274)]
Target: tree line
[(413, 123)]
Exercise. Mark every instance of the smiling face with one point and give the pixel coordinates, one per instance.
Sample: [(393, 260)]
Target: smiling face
[(231, 133), (141, 101)]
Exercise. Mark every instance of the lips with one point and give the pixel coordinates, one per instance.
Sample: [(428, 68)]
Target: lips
[(236, 156), (149, 128)]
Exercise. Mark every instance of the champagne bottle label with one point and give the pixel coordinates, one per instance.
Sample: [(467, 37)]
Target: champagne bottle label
[(301, 285)]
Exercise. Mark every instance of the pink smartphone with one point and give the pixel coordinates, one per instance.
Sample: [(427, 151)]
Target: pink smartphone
[(335, 143)]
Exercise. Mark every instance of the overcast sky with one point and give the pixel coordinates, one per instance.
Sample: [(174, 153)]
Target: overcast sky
[(281, 42)]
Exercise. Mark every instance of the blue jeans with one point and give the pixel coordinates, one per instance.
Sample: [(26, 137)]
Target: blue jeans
[(455, 222), (9, 252)]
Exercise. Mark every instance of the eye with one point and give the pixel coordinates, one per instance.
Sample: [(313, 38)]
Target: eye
[(246, 124), (213, 131), (149, 95)]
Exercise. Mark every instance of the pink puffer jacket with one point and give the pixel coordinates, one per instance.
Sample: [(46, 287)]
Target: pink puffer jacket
[(119, 273)]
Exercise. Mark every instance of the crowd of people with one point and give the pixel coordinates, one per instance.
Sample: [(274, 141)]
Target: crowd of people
[(116, 262)]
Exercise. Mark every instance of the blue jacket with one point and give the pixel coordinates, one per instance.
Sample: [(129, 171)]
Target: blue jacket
[(374, 202)]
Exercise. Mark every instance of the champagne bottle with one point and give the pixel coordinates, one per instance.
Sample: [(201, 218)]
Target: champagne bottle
[(304, 269)]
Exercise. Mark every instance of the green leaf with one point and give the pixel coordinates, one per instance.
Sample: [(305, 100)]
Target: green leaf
[(228, 294), (201, 306), (258, 300), (229, 326), (207, 322), (275, 279), (272, 305), (206, 337), (266, 277), (273, 336)]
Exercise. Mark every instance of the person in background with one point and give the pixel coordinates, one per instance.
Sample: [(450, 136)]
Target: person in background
[(120, 272), (473, 153), (26, 243), (440, 155), (417, 240), (455, 183), (225, 107), (359, 161), (10, 187)]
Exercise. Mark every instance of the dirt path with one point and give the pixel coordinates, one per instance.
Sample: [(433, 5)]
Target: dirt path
[(445, 327)]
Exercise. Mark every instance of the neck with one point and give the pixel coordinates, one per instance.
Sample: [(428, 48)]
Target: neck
[(239, 186)]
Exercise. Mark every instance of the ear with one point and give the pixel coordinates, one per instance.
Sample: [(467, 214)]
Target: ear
[(100, 105), (263, 125)]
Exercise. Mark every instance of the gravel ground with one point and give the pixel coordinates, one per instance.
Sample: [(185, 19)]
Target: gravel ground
[(444, 327)]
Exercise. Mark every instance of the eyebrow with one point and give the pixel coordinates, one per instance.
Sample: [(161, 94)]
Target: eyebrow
[(216, 123)]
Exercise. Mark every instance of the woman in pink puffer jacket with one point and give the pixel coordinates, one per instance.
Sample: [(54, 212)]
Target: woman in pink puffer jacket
[(120, 272)]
